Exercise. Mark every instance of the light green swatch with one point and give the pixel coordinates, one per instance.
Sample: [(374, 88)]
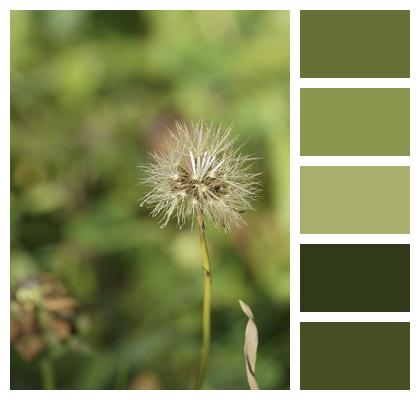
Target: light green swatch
[(355, 122), (355, 200)]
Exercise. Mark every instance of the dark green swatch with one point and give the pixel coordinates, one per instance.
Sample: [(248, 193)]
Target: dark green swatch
[(354, 200), (354, 277), (355, 355), (355, 44), (355, 122)]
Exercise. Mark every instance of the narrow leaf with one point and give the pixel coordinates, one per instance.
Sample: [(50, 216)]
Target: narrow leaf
[(250, 346)]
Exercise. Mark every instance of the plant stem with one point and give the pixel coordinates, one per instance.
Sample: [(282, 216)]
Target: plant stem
[(205, 346), (47, 374)]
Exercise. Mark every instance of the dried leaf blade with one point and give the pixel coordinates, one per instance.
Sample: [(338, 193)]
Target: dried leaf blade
[(250, 346)]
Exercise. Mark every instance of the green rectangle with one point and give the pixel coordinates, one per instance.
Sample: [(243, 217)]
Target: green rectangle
[(355, 355), (355, 277), (355, 44), (355, 122), (355, 200)]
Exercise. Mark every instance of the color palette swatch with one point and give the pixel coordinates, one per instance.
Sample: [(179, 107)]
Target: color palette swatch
[(354, 277), (355, 44), (355, 355), (355, 181), (355, 122), (355, 200)]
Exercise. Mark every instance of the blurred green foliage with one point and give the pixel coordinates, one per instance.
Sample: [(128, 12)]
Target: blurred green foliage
[(92, 92)]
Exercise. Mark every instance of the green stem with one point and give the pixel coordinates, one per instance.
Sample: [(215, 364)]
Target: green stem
[(205, 346), (47, 374)]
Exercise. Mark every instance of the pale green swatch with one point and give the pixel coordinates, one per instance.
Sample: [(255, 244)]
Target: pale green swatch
[(355, 200)]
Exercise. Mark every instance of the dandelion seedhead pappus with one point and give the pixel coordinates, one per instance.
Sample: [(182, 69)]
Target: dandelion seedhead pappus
[(200, 174)]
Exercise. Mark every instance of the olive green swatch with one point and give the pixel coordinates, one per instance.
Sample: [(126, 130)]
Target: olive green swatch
[(355, 200), (355, 277), (355, 44), (355, 355), (355, 122)]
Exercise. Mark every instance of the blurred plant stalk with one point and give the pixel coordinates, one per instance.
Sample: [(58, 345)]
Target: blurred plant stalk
[(47, 374), (206, 328)]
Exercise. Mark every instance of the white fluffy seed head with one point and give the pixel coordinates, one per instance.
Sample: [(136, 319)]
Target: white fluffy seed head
[(200, 174)]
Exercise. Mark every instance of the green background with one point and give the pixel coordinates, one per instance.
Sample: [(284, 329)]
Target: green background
[(355, 277), (355, 200), (355, 122), (355, 44), (355, 355), (91, 93)]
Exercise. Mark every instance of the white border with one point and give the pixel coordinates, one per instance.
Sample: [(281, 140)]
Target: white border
[(414, 201), (295, 5), (354, 316), (354, 161), (5, 203), (296, 160), (355, 239)]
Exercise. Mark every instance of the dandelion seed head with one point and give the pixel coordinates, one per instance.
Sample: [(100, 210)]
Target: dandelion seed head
[(200, 173)]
